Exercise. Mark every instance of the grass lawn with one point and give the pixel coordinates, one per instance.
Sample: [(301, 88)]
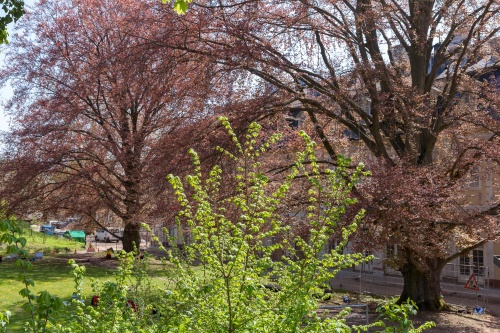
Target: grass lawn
[(51, 274), (40, 242)]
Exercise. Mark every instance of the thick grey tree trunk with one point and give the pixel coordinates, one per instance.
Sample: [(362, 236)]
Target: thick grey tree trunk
[(131, 237), (423, 288)]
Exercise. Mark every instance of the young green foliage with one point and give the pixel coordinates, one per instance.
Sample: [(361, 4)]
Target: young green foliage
[(12, 10), (400, 314), (43, 308), (231, 232), (180, 6), (120, 306)]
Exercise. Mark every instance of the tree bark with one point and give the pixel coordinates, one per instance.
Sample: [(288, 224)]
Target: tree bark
[(422, 287), (131, 237)]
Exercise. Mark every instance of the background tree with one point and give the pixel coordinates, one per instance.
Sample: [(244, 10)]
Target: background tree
[(99, 113), (403, 81)]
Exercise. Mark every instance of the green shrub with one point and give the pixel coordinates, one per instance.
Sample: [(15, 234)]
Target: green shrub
[(230, 232), (398, 317)]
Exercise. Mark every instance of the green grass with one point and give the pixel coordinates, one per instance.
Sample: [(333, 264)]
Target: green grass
[(40, 242), (51, 274)]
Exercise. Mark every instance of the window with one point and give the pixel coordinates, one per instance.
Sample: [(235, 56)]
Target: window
[(331, 245), (294, 118), (390, 251), (464, 265), (367, 253), (478, 262), (474, 180)]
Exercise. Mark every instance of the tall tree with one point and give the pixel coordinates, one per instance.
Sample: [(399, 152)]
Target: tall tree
[(99, 114), (402, 78)]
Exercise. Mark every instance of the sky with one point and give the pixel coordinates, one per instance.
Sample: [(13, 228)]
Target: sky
[(6, 92)]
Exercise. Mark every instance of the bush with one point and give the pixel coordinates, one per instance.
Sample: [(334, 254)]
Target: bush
[(230, 233)]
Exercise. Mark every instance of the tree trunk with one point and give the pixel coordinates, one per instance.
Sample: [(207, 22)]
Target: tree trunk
[(131, 237), (423, 288)]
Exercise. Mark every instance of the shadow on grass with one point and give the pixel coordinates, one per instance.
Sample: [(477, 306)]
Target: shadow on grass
[(48, 269), (19, 317)]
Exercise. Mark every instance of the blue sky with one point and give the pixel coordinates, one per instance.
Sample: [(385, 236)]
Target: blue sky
[(6, 92)]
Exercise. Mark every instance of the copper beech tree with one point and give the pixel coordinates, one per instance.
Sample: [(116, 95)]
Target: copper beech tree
[(100, 116), (407, 82)]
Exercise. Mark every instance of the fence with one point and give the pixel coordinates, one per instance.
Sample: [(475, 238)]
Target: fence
[(376, 278)]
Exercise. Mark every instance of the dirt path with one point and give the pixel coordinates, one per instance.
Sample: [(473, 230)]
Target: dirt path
[(460, 323)]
